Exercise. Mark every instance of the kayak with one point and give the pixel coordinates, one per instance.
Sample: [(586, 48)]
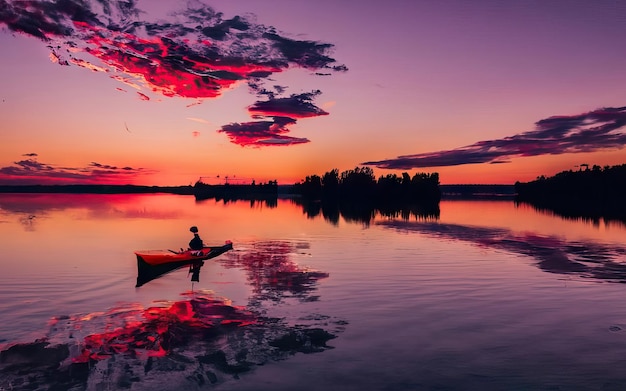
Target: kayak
[(159, 257), (153, 264)]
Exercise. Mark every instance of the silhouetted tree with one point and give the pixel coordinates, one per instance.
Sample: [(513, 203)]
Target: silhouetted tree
[(312, 187), (391, 187), (330, 183), (359, 181)]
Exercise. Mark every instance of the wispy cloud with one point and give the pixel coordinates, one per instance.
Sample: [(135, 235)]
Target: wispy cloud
[(196, 53), (199, 120), (588, 132), (31, 171)]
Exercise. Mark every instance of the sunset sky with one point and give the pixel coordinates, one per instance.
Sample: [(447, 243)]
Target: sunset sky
[(163, 92)]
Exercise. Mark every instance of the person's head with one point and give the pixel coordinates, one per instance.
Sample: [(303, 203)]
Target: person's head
[(194, 229)]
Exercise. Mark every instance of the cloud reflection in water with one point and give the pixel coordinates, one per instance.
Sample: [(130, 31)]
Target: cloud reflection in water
[(587, 259), (184, 344), (272, 273)]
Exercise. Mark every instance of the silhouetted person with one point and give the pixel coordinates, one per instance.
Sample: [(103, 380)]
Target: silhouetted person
[(195, 243)]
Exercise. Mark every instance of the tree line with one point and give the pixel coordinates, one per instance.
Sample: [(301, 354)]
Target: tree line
[(591, 192), (361, 184)]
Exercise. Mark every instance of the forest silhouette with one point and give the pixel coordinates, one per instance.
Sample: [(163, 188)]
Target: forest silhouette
[(357, 195), (590, 193)]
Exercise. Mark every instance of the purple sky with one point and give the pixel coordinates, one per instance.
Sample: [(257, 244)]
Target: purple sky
[(281, 89)]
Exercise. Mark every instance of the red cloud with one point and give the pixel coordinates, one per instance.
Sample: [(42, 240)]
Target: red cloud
[(197, 55), (262, 133)]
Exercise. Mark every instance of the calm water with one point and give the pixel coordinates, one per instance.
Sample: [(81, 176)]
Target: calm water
[(489, 296)]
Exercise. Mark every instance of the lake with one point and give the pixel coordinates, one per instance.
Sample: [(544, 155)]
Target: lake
[(488, 295)]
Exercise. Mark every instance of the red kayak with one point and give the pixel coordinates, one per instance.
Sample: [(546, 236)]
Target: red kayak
[(160, 257)]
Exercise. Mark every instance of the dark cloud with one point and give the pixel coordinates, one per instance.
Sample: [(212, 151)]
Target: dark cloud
[(275, 114), (196, 53), (262, 133), (30, 171), (295, 106), (27, 167), (593, 131), (30, 154)]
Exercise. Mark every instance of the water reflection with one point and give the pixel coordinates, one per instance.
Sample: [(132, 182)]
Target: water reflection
[(586, 259), (98, 206), (593, 212), (272, 273), (184, 344), (37, 204), (269, 202), (28, 222), (364, 212), (147, 273), (176, 345)]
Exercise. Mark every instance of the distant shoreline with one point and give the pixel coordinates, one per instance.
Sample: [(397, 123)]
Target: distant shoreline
[(96, 189), (447, 191), (503, 192)]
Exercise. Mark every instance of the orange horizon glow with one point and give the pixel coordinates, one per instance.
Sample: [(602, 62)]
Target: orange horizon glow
[(524, 170), (212, 101)]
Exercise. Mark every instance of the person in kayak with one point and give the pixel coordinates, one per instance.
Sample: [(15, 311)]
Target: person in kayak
[(195, 243)]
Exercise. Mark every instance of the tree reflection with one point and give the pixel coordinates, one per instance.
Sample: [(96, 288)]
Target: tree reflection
[(364, 211)]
